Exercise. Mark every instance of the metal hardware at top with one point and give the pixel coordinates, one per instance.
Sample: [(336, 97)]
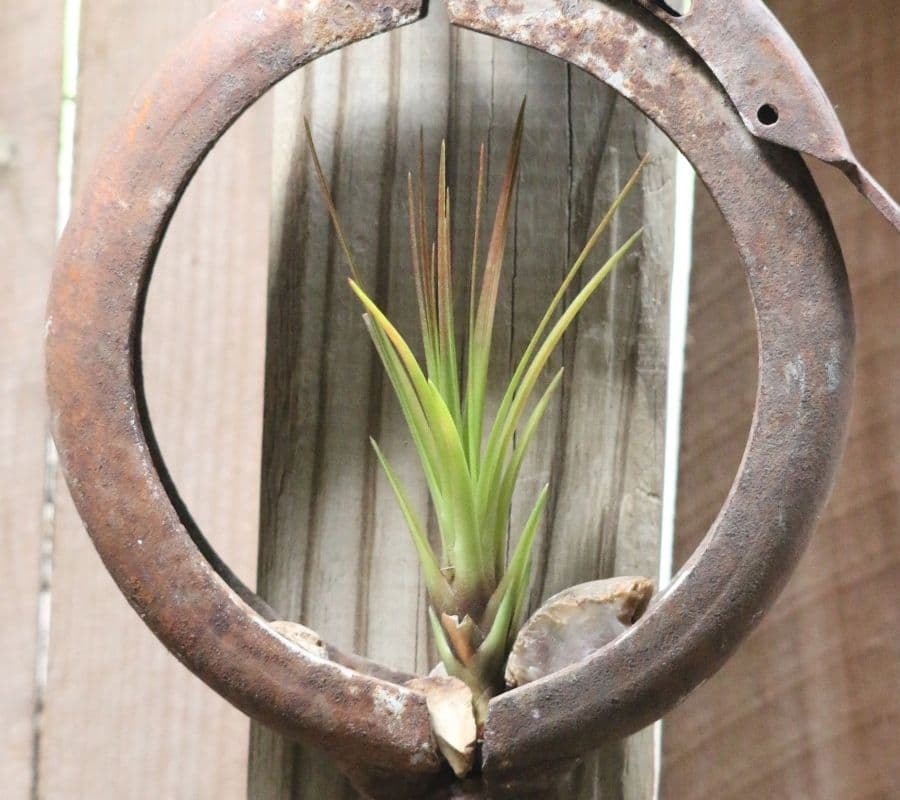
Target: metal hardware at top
[(771, 84)]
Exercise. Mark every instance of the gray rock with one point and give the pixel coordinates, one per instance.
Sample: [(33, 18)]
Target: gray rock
[(573, 624)]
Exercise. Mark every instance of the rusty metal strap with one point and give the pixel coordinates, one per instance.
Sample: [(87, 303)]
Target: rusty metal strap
[(771, 84), (142, 532), (99, 422)]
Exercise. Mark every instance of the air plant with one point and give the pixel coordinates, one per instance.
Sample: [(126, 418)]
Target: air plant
[(477, 597)]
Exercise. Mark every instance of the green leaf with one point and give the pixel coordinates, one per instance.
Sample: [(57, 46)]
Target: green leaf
[(599, 230), (500, 438), (427, 264), (509, 594), (418, 267), (418, 403), (475, 447), (472, 573), (524, 362), (480, 342), (409, 405), (518, 617), (457, 491), (441, 594), (419, 381), (508, 482), (447, 377)]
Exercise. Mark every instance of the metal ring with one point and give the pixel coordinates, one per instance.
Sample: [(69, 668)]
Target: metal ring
[(797, 280)]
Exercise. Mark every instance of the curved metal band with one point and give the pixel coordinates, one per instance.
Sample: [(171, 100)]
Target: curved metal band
[(93, 333), (759, 65), (802, 303), (798, 284)]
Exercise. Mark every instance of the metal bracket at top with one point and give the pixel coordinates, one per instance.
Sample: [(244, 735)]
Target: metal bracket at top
[(771, 84)]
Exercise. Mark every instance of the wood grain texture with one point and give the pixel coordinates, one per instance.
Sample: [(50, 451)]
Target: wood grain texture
[(30, 33), (123, 718), (334, 552), (810, 705)]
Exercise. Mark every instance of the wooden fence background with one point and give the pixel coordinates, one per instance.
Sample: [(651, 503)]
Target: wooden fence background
[(810, 707)]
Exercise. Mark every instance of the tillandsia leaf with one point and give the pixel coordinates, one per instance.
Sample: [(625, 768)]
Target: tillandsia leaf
[(469, 580), (332, 209), (431, 405), (426, 267), (447, 379), (525, 360), (418, 267), (521, 607), (473, 437), (451, 468), (508, 483), (500, 438), (408, 359), (556, 333), (407, 397), (509, 596), (599, 230), (480, 342), (438, 588), (423, 236), (416, 421), (473, 272)]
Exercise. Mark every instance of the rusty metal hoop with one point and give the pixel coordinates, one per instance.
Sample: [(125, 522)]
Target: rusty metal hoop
[(141, 530)]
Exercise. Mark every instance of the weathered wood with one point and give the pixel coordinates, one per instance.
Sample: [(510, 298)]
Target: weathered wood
[(123, 718), (810, 705), (334, 552), (29, 127)]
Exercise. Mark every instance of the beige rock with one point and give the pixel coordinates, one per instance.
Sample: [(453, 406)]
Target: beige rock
[(439, 671), (449, 703), (573, 624), (300, 635)]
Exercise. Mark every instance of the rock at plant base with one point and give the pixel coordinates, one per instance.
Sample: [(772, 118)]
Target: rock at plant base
[(300, 635), (573, 624), (440, 671), (310, 642), (449, 703)]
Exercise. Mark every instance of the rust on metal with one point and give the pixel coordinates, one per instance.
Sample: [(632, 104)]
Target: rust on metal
[(798, 284), (771, 84), (377, 729), (99, 421)]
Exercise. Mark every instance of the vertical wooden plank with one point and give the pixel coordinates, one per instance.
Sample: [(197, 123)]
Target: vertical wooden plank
[(31, 33), (810, 705), (324, 387), (333, 550), (609, 450), (123, 718)]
